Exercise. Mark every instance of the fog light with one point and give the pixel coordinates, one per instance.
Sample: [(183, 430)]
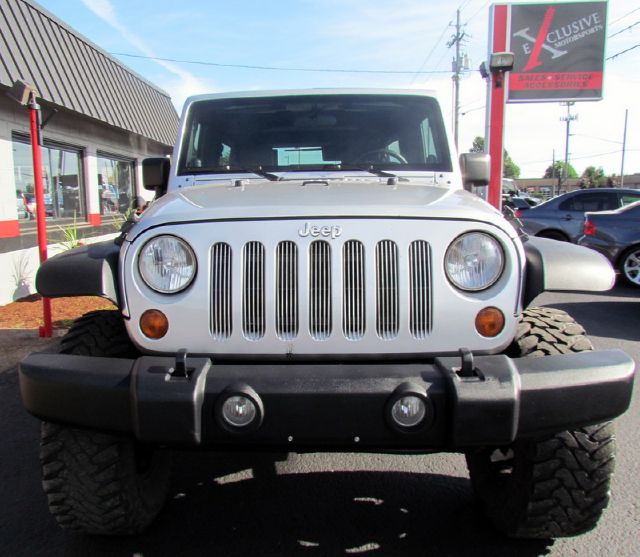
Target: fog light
[(154, 323), (239, 411), (489, 322), (408, 411)]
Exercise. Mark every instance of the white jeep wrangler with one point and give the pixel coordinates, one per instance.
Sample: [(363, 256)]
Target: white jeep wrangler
[(313, 276)]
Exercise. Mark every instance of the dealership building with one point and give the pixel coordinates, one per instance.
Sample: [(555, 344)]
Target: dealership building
[(99, 121)]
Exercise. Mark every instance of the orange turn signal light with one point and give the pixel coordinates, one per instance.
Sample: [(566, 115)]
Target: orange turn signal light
[(154, 323), (489, 322)]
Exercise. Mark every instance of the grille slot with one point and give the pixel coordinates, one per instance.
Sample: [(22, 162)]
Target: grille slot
[(287, 290), (419, 289), (387, 317), (320, 290), (353, 299), (253, 318), (221, 323)]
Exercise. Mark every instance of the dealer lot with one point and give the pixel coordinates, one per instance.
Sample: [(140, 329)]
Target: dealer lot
[(319, 504)]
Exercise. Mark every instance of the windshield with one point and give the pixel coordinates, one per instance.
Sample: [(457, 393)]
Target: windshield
[(315, 132)]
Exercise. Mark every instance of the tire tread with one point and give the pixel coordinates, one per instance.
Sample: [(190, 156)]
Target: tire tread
[(559, 485), (90, 477)]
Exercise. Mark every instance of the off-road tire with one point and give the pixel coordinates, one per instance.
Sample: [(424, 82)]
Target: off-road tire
[(96, 482), (549, 487), (98, 333)]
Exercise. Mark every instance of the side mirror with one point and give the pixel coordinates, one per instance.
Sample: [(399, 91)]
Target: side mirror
[(476, 170), (155, 174)]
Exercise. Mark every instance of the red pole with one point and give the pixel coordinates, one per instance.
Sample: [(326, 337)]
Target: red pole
[(47, 329), (496, 107)]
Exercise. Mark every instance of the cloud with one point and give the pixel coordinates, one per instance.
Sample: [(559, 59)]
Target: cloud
[(182, 83)]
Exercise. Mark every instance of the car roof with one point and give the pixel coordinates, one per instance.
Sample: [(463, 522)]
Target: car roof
[(607, 190), (307, 92)]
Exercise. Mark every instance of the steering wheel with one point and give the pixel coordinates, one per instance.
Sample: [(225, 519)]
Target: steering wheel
[(381, 156)]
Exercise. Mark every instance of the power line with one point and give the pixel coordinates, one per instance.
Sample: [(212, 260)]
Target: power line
[(598, 138), (625, 15), (464, 5), (278, 68), (581, 156), (435, 45), (622, 52), (478, 11), (601, 154), (625, 29), (472, 110)]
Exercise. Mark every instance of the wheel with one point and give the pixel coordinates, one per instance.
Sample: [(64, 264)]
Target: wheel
[(381, 156), (554, 486), (630, 266), (553, 235), (95, 482)]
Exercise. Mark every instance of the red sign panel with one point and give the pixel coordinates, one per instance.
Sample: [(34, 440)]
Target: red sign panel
[(558, 49)]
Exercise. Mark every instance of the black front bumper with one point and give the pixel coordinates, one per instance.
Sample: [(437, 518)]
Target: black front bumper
[(331, 406)]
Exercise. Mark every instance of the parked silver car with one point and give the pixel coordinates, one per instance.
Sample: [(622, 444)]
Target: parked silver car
[(561, 218), (616, 234)]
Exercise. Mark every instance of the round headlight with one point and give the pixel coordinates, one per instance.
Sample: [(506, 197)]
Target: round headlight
[(167, 264), (474, 261)]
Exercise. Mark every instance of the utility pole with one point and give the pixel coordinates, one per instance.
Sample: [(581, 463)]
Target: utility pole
[(457, 70), (568, 118), (624, 146)]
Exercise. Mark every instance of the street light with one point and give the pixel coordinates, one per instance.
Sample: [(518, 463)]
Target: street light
[(494, 71), (25, 94)]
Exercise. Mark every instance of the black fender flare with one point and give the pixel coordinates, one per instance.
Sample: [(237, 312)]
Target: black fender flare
[(90, 270), (557, 266)]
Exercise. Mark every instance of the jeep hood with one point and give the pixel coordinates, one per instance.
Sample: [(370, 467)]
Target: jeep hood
[(263, 199)]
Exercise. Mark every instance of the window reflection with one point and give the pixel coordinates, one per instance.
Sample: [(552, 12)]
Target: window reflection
[(61, 177), (115, 181)]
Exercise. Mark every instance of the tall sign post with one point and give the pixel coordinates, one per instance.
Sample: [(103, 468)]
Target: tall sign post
[(26, 94), (494, 134), (558, 53)]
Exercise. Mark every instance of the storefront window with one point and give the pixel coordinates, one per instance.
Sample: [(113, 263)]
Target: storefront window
[(61, 176), (115, 180)]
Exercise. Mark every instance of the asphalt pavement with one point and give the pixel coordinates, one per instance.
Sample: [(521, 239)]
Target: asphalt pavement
[(318, 504)]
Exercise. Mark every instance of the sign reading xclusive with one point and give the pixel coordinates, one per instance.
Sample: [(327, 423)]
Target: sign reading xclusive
[(559, 51)]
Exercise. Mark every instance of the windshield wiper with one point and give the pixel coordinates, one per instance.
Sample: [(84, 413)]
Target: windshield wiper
[(257, 170), (372, 170)]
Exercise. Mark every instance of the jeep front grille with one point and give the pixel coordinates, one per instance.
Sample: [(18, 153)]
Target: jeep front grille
[(419, 281), (287, 290), (221, 323), (320, 290), (387, 289), (253, 318), (353, 306), (284, 285)]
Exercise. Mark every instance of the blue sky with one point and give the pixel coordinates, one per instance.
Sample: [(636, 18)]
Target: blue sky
[(402, 35)]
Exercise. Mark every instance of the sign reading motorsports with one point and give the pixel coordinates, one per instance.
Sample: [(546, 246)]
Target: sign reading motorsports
[(559, 51)]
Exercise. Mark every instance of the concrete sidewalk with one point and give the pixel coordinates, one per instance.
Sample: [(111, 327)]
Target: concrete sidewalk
[(15, 344)]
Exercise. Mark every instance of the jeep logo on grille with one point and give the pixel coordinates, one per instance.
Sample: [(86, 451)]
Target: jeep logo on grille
[(316, 231)]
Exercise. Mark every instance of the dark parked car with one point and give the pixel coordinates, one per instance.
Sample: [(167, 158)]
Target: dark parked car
[(616, 234), (512, 204), (561, 218)]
